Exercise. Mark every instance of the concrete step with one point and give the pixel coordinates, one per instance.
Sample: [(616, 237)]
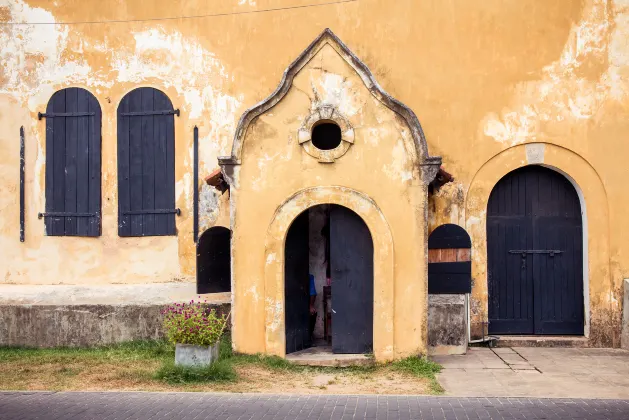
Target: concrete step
[(323, 356), (541, 341)]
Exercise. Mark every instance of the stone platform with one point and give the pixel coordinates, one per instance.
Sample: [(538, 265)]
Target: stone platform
[(323, 356)]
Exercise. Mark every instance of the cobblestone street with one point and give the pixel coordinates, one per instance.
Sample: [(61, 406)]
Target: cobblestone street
[(188, 406)]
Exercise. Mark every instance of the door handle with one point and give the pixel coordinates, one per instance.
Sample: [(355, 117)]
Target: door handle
[(525, 252)]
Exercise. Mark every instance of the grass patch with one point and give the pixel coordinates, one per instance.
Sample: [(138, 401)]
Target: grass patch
[(127, 351), (418, 366), (269, 362), (220, 371), (421, 367)]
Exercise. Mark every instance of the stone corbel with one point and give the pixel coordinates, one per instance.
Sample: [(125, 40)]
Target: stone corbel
[(430, 168)]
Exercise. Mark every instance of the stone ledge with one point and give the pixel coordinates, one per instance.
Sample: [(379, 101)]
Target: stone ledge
[(105, 294), (81, 325), (542, 341)]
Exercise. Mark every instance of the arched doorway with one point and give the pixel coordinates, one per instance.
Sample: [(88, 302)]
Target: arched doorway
[(213, 261), (345, 281), (535, 254)]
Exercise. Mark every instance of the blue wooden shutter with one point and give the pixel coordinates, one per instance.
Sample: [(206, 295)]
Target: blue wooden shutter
[(73, 164), (146, 164)]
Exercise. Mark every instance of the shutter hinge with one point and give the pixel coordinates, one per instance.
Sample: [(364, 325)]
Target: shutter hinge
[(64, 114), (144, 113), (155, 211), (65, 214)]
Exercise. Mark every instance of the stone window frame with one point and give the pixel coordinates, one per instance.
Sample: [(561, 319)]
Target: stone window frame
[(326, 114)]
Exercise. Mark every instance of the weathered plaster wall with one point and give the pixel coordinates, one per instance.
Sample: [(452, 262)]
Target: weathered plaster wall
[(80, 325), (109, 60), (89, 315), (482, 76), (568, 104), (447, 324)]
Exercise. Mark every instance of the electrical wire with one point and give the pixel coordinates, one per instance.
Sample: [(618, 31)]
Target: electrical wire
[(248, 12)]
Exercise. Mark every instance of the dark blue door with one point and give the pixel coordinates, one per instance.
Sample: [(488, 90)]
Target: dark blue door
[(535, 254), (351, 260), (296, 285)]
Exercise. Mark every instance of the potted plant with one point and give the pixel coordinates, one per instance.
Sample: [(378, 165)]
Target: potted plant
[(196, 332)]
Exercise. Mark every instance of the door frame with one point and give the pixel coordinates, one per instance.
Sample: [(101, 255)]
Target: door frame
[(384, 303)]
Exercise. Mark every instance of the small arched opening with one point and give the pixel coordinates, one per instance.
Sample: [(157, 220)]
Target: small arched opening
[(214, 261)]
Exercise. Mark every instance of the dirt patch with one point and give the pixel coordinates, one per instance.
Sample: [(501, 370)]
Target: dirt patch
[(138, 376), (149, 366)]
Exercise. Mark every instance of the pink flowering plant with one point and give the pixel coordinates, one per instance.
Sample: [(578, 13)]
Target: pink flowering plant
[(193, 323)]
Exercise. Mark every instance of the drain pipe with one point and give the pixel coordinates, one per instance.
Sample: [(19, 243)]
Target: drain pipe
[(486, 339)]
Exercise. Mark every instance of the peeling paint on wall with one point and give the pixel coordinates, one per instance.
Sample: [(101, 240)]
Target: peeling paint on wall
[(32, 57), (575, 87), (37, 60)]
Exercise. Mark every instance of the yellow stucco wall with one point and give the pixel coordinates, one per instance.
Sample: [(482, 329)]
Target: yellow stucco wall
[(378, 178), (484, 77)]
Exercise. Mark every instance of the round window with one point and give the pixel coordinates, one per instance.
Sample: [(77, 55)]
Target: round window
[(326, 135)]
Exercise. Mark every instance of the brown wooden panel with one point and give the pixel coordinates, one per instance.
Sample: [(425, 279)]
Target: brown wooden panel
[(434, 255), (464, 255), (448, 255)]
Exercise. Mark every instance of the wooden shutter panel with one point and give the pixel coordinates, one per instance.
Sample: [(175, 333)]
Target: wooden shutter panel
[(73, 164), (146, 164)]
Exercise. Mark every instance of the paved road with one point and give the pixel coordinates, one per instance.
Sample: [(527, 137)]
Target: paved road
[(185, 406)]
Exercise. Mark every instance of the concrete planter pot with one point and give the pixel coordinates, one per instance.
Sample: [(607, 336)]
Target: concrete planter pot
[(193, 355)]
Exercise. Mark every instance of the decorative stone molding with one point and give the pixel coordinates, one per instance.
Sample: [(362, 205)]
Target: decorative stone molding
[(326, 113), (535, 153), (328, 37)]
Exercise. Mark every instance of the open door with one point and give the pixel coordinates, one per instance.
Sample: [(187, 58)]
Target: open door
[(296, 286), (351, 259)]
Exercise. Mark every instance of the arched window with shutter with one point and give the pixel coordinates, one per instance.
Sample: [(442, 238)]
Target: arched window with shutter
[(146, 164), (73, 164)]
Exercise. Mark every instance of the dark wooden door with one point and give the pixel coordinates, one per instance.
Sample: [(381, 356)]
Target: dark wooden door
[(351, 260), (535, 254), (296, 285)]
